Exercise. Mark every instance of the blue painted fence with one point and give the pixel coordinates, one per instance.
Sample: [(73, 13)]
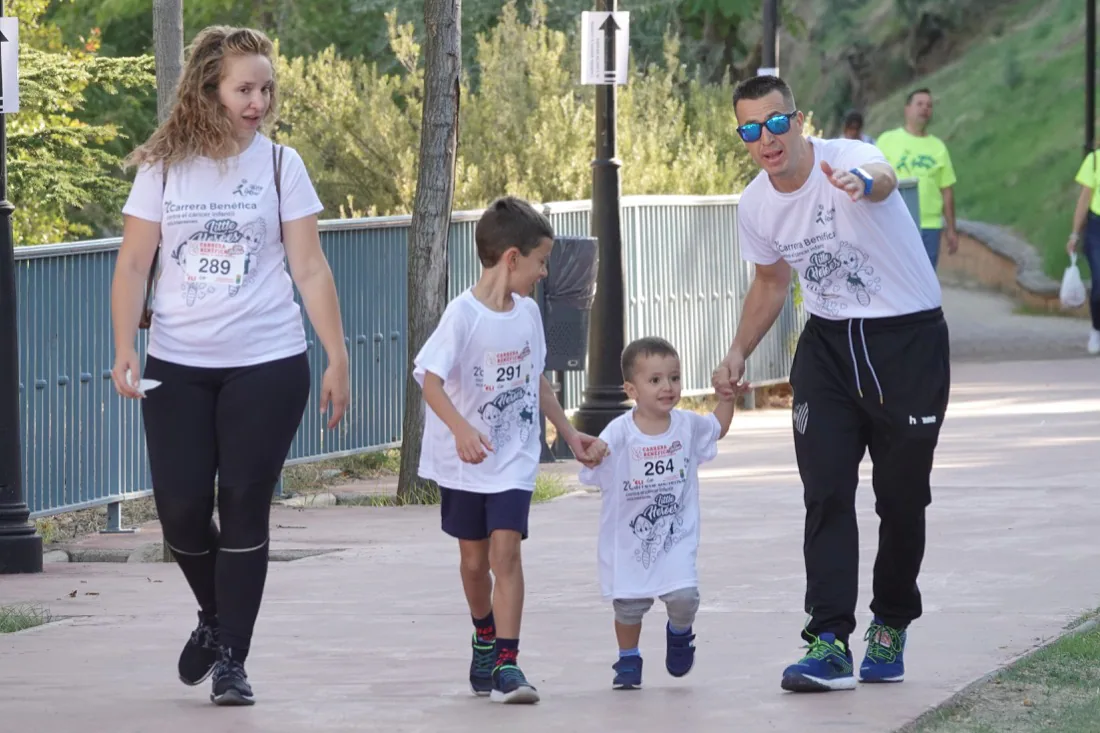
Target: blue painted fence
[(83, 445)]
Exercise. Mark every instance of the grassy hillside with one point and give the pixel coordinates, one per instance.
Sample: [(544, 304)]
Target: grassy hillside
[(1011, 111)]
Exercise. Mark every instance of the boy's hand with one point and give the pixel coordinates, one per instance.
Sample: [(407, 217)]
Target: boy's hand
[(469, 443), (597, 451), (726, 378), (581, 444), (722, 397)]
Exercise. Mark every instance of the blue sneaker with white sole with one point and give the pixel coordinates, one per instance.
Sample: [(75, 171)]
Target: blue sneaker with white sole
[(679, 651), (884, 661), (827, 666), (628, 673)]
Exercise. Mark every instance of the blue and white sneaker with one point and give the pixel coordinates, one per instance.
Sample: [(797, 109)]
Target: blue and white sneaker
[(827, 666), (679, 652), (509, 683), (628, 673), (482, 662), (884, 661)]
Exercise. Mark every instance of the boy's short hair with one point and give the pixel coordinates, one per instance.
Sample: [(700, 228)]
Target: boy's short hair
[(509, 222), (645, 346)]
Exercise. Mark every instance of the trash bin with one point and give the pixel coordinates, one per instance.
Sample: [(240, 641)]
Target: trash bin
[(568, 293), (565, 298)]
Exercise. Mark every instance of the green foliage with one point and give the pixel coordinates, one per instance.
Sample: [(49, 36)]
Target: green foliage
[(57, 164), (1015, 168), (861, 51), (356, 128), (527, 129)]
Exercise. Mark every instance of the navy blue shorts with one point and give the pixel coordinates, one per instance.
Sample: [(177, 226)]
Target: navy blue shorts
[(471, 516)]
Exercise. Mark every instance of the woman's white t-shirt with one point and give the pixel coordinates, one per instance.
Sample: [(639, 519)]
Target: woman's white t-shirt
[(858, 259), (224, 297), (649, 520)]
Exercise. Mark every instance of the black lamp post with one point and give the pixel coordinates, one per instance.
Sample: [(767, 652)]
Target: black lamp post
[(604, 398), (20, 545)]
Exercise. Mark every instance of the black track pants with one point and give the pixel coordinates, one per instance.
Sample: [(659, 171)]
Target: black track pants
[(237, 423), (878, 384)]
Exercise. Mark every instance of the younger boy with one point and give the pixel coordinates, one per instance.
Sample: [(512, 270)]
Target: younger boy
[(481, 372), (649, 522)]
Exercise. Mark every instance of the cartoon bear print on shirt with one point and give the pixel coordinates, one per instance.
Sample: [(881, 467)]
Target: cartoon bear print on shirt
[(854, 267), (253, 236), (827, 293), (657, 527), (517, 405)]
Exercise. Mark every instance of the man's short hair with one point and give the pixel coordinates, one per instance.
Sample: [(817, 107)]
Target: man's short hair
[(915, 92), (853, 119), (645, 346), (758, 87), (509, 222)]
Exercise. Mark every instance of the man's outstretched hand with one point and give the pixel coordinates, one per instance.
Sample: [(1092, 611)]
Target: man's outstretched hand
[(846, 181)]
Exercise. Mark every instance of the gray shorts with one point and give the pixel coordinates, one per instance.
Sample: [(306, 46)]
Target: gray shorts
[(682, 605)]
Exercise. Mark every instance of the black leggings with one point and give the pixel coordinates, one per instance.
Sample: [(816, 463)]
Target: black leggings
[(237, 423), (1092, 253)]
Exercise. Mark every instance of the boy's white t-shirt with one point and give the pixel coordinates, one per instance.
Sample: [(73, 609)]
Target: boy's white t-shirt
[(224, 297), (491, 364), (858, 259), (649, 520)]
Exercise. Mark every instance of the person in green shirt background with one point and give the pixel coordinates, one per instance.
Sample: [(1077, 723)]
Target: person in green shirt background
[(1086, 226), (915, 153)]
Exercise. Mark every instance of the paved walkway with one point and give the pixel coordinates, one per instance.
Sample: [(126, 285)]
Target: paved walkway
[(373, 636), (987, 327)]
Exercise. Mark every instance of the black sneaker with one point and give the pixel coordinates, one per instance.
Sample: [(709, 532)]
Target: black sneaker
[(481, 666), (510, 686), (230, 682), (199, 654)]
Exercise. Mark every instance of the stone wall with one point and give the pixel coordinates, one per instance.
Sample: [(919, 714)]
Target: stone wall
[(993, 257)]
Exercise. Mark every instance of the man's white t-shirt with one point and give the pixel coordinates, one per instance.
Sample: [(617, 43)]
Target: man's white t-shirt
[(491, 364), (854, 259), (649, 520), (224, 297)]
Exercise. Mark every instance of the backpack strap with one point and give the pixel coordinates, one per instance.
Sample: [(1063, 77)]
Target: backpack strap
[(147, 310), (277, 165)]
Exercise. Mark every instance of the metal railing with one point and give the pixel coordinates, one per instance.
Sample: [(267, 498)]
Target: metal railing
[(83, 445)]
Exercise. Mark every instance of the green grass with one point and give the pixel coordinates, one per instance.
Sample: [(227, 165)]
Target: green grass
[(1055, 690), (20, 617), (318, 476), (1011, 111), (548, 486)]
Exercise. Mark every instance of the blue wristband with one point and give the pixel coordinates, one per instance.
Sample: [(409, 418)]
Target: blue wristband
[(868, 181)]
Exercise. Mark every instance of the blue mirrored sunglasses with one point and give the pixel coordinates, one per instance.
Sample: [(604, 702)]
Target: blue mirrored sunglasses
[(779, 124)]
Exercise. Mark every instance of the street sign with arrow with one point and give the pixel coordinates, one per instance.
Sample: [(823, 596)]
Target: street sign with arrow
[(605, 47), (9, 65)]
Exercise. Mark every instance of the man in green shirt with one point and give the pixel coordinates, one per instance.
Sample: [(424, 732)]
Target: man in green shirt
[(915, 153)]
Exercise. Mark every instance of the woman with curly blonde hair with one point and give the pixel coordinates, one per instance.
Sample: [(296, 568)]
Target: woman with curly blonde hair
[(214, 209)]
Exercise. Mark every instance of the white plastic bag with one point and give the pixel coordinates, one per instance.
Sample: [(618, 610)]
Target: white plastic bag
[(1073, 288)]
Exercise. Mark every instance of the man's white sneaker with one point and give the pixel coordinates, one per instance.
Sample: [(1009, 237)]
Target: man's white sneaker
[(1094, 342)]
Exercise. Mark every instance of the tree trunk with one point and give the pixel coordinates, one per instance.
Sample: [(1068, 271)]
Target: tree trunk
[(168, 57), (167, 52), (431, 219)]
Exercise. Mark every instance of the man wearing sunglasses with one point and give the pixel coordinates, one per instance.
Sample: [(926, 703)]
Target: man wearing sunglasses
[(871, 370)]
